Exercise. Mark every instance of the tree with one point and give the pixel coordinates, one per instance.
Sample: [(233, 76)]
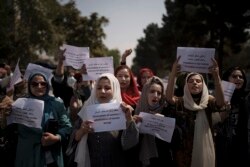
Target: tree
[(147, 51), (115, 53), (26, 30), (30, 28), (204, 23), (81, 30)]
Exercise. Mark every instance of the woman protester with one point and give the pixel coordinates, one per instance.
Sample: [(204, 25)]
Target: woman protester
[(153, 151), (144, 75), (130, 95), (232, 134), (194, 112), (42, 147), (104, 149), (129, 90)]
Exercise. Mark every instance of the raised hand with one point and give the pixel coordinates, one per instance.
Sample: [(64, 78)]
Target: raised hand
[(126, 54)]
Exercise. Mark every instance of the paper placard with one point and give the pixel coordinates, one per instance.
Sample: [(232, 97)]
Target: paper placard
[(97, 66), (106, 117), (15, 78), (158, 126), (228, 89), (27, 111), (75, 56), (37, 68), (195, 59)]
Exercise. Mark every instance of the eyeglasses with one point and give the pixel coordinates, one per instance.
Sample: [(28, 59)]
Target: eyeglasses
[(35, 84)]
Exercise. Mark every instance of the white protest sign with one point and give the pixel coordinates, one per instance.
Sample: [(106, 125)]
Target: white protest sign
[(27, 111), (228, 89), (75, 56), (158, 126), (98, 65), (37, 68), (16, 77), (195, 59), (106, 117)]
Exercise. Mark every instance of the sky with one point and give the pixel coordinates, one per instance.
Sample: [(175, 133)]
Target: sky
[(127, 20)]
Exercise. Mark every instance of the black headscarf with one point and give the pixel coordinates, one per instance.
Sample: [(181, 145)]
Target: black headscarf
[(238, 93)]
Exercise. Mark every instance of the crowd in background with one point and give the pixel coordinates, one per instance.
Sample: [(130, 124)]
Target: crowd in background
[(209, 131)]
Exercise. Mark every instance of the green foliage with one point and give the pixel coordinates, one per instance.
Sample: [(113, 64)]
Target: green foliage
[(218, 24), (30, 28), (29, 31), (115, 53), (207, 24), (147, 51)]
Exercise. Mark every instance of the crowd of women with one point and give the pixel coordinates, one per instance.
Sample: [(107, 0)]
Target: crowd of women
[(209, 131)]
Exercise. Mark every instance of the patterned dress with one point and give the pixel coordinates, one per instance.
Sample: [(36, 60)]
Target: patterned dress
[(184, 133)]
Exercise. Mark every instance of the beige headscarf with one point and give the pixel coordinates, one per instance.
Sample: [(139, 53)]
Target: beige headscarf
[(82, 154), (203, 154), (148, 147)]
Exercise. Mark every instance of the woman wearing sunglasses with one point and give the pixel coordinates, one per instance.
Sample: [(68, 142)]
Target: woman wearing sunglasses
[(42, 147)]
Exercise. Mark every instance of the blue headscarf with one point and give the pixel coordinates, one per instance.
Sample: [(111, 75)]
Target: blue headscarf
[(30, 138), (46, 95)]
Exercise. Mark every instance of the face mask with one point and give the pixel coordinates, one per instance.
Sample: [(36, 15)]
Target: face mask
[(71, 81), (154, 107)]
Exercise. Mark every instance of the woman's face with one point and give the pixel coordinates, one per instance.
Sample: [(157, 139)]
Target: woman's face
[(236, 77), (104, 92), (38, 86), (144, 77), (154, 94), (195, 84), (123, 77)]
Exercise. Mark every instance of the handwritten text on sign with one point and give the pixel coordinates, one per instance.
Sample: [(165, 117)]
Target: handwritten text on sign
[(106, 117), (27, 111), (97, 66), (158, 126), (195, 59), (75, 56)]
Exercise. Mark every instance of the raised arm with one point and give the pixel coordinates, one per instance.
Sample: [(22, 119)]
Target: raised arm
[(171, 81), (219, 96), (60, 68), (125, 55)]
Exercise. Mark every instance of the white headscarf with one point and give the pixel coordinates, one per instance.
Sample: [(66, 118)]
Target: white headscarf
[(203, 154), (82, 153), (115, 87)]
